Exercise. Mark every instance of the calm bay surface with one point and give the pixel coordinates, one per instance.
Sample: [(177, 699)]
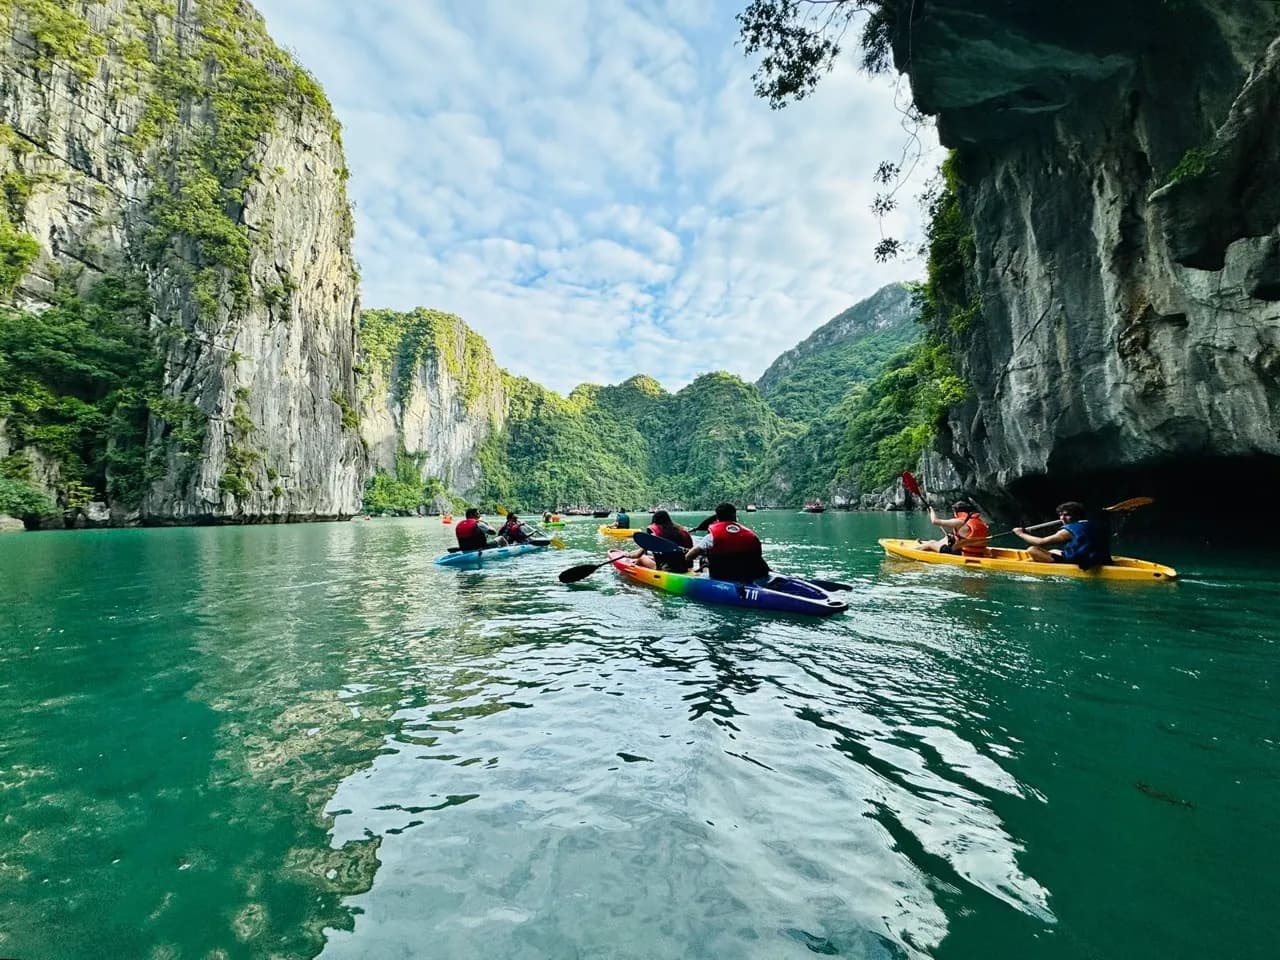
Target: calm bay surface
[(310, 741)]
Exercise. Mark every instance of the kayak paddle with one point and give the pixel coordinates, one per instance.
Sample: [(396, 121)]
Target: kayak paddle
[(1124, 506), (582, 571), (659, 546), (912, 487)]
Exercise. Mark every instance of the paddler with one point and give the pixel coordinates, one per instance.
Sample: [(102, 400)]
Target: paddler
[(473, 533), (733, 551), (1086, 543), (663, 526), (967, 524), (513, 531)]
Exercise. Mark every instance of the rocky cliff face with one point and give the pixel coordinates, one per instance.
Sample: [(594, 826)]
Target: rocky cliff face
[(431, 392), (171, 140), (1117, 163)]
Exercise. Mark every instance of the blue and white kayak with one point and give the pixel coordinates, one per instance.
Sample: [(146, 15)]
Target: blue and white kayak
[(477, 558)]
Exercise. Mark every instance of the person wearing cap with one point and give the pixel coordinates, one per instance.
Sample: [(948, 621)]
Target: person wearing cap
[(733, 551), (473, 533), (662, 526), (966, 525)]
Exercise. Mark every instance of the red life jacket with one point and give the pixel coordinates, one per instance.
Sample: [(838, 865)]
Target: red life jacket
[(735, 553), (675, 533), (469, 534)]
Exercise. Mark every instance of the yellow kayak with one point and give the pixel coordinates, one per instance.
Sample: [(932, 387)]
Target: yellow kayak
[(1018, 561), (623, 534)]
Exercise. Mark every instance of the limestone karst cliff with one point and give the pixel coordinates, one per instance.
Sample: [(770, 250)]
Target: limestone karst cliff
[(174, 182), (431, 395), (1117, 165)]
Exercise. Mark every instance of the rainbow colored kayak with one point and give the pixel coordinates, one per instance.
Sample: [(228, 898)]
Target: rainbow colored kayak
[(476, 558), (622, 533), (1001, 560), (778, 594)]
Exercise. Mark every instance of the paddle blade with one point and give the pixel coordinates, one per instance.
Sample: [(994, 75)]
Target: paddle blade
[(557, 543), (912, 487), (829, 584), (655, 544), (1133, 503), (574, 574), (705, 524)]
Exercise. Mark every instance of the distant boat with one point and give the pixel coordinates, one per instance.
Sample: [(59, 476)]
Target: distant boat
[(751, 508), (599, 513), (815, 507)]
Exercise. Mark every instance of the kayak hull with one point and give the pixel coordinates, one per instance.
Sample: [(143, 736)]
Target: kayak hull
[(553, 523), (608, 531), (777, 595), (1001, 560), (478, 558)]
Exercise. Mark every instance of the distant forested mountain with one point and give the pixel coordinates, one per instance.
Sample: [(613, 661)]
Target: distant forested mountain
[(819, 387), (836, 415)]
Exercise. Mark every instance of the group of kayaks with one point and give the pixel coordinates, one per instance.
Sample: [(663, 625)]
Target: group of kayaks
[(797, 595)]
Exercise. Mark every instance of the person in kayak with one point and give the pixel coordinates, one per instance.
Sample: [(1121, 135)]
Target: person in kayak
[(623, 522), (513, 531), (473, 533), (546, 516), (663, 526), (733, 551), (1086, 543), (967, 524)]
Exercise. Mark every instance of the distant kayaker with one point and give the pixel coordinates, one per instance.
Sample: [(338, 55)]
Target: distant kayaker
[(663, 526), (546, 516), (623, 522), (733, 551), (1086, 543), (473, 533), (513, 531), (967, 524)]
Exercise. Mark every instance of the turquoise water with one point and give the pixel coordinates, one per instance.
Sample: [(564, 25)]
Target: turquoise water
[(309, 741)]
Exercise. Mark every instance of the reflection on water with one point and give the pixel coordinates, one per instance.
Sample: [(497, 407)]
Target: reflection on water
[(311, 741)]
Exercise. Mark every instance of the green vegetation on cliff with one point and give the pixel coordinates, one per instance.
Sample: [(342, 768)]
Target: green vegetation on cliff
[(395, 344), (629, 445), (78, 381)]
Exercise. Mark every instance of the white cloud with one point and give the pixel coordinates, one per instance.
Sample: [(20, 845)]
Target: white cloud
[(595, 188)]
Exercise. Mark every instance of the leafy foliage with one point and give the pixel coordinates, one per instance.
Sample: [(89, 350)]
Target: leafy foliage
[(405, 491), (800, 40), (79, 379), (396, 344), (628, 445), (20, 499)]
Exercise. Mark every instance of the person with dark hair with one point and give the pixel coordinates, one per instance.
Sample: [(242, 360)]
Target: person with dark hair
[(622, 521), (663, 526), (967, 524), (513, 531), (1086, 543), (473, 533), (733, 551)]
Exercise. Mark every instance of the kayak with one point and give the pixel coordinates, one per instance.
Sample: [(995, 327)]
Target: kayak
[(624, 533), (475, 558), (778, 594), (1003, 560), (553, 523)]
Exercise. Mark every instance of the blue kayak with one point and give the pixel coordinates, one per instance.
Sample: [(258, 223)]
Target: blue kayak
[(476, 558)]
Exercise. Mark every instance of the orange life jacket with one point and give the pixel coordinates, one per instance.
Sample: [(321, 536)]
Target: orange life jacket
[(974, 528)]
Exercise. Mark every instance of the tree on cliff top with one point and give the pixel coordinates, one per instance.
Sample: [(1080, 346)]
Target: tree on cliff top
[(800, 40)]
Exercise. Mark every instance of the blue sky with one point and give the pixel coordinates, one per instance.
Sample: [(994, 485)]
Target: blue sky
[(594, 187)]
